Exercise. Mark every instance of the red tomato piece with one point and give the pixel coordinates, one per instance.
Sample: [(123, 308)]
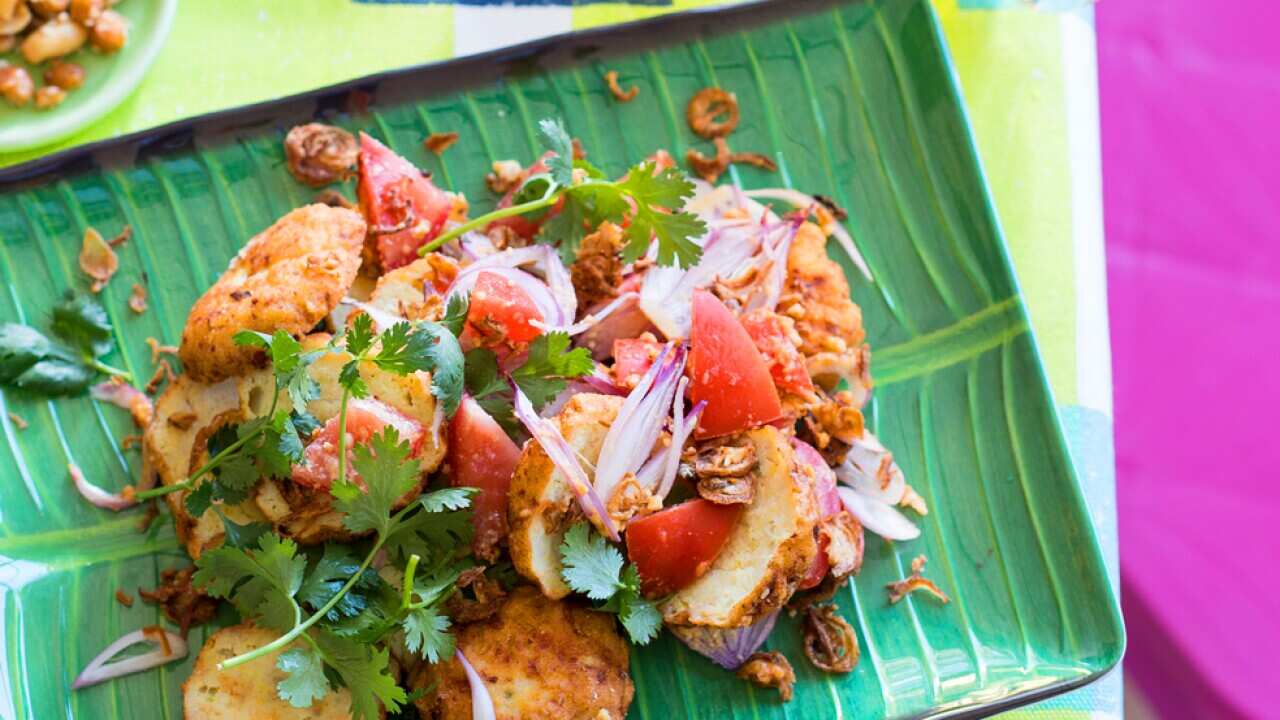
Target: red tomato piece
[(824, 486), (366, 417), (632, 358), (482, 456), (786, 364), (727, 371), (390, 188), (675, 546), (500, 312)]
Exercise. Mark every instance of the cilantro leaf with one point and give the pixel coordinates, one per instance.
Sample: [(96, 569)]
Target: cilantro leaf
[(389, 474), (199, 500), (241, 536), (350, 380), (673, 230), (261, 583), (445, 499), (360, 336), (426, 634), (80, 321), (305, 682), (327, 576), (365, 672), (57, 375), (556, 139), (566, 229), (503, 411), (455, 313), (550, 361), (594, 568), (20, 348), (640, 618), (591, 565), (425, 346)]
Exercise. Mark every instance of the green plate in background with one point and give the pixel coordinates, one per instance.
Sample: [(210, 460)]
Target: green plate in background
[(855, 100), (108, 80)]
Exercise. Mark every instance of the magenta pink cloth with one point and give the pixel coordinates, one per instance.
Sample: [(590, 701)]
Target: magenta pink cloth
[(1190, 94)]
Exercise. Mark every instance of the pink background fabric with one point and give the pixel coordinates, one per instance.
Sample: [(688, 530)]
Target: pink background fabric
[(1190, 101)]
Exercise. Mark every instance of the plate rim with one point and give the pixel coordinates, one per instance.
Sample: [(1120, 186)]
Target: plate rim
[(754, 12)]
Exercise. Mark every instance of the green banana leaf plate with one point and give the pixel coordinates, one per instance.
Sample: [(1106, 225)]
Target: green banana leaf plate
[(855, 100)]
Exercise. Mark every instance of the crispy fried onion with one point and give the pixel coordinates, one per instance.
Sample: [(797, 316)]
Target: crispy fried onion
[(710, 168), (829, 641), (320, 154), (770, 670), (505, 176), (611, 79), (631, 498), (97, 259), (438, 142), (486, 596), (760, 160), (915, 581), (724, 473), (138, 298), (706, 108), (844, 543), (182, 603), (333, 198)]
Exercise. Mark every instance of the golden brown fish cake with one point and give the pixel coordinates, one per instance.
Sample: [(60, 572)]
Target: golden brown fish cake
[(541, 505), (248, 690), (288, 277), (415, 291), (541, 659), (827, 320)]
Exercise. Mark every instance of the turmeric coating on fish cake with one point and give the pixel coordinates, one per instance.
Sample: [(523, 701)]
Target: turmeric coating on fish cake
[(288, 277), (541, 659)]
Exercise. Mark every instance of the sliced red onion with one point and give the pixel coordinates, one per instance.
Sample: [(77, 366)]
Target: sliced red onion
[(601, 381), (800, 200), (869, 468), (633, 433), (726, 647), (880, 518), (591, 319), (553, 293), (168, 647), (547, 434), (437, 421), (124, 396), (824, 477), (671, 465), (96, 495), (481, 701), (776, 274), (382, 319), (475, 245), (627, 321)]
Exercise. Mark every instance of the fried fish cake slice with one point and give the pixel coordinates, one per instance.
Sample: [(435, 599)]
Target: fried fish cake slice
[(541, 659), (249, 690), (541, 505), (288, 277)]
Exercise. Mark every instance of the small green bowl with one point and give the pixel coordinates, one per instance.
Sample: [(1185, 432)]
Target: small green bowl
[(108, 80)]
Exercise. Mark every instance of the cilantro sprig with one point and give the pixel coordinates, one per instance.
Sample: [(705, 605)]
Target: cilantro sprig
[(67, 363), (545, 372), (596, 569), (265, 446), (338, 608), (646, 197)]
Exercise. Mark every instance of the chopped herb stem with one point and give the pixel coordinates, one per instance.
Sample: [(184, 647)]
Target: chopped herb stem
[(106, 369), (406, 590), (532, 206)]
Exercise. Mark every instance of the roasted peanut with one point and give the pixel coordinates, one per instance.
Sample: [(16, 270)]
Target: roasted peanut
[(49, 8), (66, 75), (55, 38), (87, 12), (16, 85), (49, 96), (110, 32), (17, 22)]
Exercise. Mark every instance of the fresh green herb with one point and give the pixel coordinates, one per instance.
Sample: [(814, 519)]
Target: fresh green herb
[(266, 446), (333, 609), (649, 199), (596, 569), (550, 363), (32, 361)]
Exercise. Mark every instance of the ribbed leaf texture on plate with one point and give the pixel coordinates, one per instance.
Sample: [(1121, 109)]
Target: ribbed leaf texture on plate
[(855, 100)]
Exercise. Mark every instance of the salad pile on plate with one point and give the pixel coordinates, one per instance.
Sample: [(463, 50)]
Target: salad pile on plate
[(459, 463)]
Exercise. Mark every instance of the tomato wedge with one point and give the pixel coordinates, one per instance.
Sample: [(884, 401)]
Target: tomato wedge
[(482, 456), (500, 313), (632, 358), (786, 365), (675, 546), (365, 418), (727, 371), (390, 188)]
